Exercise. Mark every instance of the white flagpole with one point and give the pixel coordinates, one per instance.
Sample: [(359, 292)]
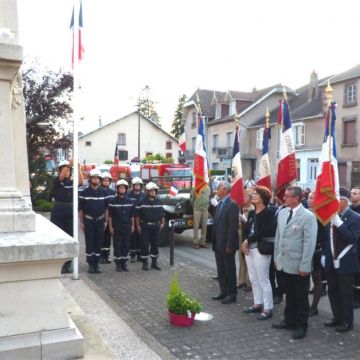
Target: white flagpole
[(75, 140)]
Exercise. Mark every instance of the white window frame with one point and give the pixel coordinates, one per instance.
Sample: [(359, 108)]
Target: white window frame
[(215, 139), (122, 139), (313, 165), (232, 107), (229, 140), (350, 93), (218, 111), (299, 139), (259, 138)]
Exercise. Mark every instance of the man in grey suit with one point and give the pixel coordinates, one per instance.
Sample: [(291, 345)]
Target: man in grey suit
[(225, 242), (295, 241)]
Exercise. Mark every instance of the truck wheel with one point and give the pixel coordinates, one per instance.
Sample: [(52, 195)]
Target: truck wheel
[(164, 235)]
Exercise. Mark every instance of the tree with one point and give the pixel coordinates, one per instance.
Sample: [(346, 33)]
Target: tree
[(177, 127), (146, 107)]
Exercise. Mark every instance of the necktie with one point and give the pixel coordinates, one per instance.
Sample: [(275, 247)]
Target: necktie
[(289, 217), (219, 208)]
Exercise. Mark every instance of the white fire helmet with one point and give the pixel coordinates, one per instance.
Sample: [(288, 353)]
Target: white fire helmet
[(122, 182), (64, 163), (106, 175), (151, 186), (136, 180), (95, 172)]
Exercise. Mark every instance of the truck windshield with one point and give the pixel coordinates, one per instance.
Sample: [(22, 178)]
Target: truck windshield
[(180, 172)]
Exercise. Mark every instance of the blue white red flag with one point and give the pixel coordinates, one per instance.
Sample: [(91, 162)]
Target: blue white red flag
[(264, 163), (77, 30), (326, 195), (182, 142), (173, 190), (116, 155), (287, 169), (237, 184), (200, 161)]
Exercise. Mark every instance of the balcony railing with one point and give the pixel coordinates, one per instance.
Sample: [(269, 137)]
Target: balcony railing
[(224, 152)]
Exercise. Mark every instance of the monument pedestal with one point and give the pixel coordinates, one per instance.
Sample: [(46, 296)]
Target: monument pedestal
[(34, 323)]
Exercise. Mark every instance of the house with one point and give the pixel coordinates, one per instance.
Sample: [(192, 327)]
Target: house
[(345, 86), (122, 136)]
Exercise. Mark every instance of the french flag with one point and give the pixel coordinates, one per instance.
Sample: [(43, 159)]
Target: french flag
[(173, 190), (200, 161), (264, 163), (326, 195), (237, 184), (81, 49), (287, 170), (182, 142)]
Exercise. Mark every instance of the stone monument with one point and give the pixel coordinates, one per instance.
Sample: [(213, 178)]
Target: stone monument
[(34, 323)]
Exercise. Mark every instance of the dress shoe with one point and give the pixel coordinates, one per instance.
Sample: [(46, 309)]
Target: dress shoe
[(299, 334), (229, 299), (204, 246), (247, 288), (313, 312), (277, 300), (264, 315), (239, 286), (344, 328), (252, 309), (219, 297), (215, 278), (332, 323), (195, 246), (282, 325)]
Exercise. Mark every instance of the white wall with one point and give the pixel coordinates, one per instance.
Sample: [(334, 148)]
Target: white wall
[(103, 140)]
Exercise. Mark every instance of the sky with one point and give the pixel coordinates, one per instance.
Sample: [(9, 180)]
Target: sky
[(177, 46)]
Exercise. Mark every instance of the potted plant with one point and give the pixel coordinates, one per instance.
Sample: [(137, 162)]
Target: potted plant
[(181, 306)]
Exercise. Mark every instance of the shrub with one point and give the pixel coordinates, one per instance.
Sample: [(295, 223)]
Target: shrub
[(43, 205), (178, 301)]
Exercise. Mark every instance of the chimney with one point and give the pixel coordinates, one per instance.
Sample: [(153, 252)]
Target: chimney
[(100, 121), (313, 86)]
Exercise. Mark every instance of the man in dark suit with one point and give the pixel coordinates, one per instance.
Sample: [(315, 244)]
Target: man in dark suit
[(341, 263), (225, 240)]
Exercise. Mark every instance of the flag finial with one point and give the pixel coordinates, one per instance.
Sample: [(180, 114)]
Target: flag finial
[(329, 92), (284, 93), (198, 102), (267, 118), (236, 119)]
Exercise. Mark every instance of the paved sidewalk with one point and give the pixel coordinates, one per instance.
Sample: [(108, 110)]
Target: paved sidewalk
[(141, 298)]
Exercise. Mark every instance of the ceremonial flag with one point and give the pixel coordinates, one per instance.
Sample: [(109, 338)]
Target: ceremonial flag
[(173, 190), (116, 155), (182, 142), (264, 163), (287, 170), (200, 161), (80, 46), (326, 195), (237, 184)]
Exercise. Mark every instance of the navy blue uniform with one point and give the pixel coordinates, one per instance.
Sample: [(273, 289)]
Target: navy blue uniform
[(150, 213), (135, 246), (93, 203), (62, 211), (121, 211), (106, 245)]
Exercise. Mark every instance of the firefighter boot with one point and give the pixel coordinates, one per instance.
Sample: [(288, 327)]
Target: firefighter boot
[(145, 265), (154, 264), (91, 269), (118, 267), (96, 268), (124, 265), (102, 257)]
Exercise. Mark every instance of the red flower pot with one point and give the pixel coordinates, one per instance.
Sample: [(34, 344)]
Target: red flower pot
[(181, 320)]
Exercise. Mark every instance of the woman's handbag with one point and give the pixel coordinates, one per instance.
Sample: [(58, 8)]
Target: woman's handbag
[(266, 245)]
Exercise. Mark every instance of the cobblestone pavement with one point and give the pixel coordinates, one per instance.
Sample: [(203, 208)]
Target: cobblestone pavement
[(231, 334)]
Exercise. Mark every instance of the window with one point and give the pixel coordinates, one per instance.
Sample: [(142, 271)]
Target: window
[(168, 155), (232, 107), (218, 111), (121, 139), (299, 134), (123, 155), (350, 94), (298, 163), (349, 132), (229, 139), (259, 138), (87, 143), (193, 120), (148, 153), (313, 166), (168, 145), (193, 143), (215, 140), (215, 166)]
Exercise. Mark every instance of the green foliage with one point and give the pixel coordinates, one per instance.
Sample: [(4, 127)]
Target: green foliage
[(146, 107), (178, 301), (43, 205), (177, 127), (216, 172), (157, 158), (109, 162)]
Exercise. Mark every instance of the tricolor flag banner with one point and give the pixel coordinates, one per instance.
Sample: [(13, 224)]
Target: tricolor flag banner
[(326, 195), (78, 41), (173, 190), (200, 161), (287, 170), (237, 184), (264, 163), (182, 142), (116, 155)]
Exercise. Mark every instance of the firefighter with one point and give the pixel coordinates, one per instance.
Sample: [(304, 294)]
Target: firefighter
[(149, 221), (62, 211), (121, 224), (135, 196), (106, 245), (93, 214)]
